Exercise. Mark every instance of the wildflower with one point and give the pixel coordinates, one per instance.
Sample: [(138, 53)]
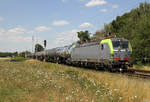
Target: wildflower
[(67, 98), (115, 89), (106, 84), (97, 92), (110, 92), (145, 100)]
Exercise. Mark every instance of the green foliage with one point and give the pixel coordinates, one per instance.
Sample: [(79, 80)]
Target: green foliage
[(19, 59), (83, 36), (99, 34), (24, 53), (134, 26), (8, 54), (38, 48), (103, 33)]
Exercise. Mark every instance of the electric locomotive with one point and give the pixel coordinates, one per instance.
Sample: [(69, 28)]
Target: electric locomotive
[(111, 54)]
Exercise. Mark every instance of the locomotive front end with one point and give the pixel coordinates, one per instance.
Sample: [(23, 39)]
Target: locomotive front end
[(121, 52)]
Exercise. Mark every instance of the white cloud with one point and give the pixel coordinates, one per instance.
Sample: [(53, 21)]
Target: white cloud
[(19, 39), (114, 6), (82, 0), (95, 2), (14, 35), (2, 31), (60, 23), (11, 43), (103, 10), (42, 28), (20, 34), (66, 38), (15, 39), (1, 18), (86, 24), (17, 30), (64, 1)]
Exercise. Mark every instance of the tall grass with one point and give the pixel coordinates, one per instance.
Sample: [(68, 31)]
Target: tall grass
[(33, 81), (19, 59)]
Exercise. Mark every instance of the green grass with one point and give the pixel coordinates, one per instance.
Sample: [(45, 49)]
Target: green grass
[(33, 81), (18, 59)]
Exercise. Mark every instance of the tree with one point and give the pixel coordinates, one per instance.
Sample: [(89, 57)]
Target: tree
[(38, 48), (24, 53), (8, 54), (99, 34), (133, 26), (84, 36)]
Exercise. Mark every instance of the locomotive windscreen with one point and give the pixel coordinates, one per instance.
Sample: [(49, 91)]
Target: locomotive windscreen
[(121, 44)]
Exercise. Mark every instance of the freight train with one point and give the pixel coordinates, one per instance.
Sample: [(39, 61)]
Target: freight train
[(109, 54)]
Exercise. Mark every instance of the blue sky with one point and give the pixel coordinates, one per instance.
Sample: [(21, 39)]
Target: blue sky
[(56, 21)]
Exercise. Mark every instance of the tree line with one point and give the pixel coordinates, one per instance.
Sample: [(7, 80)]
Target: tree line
[(8, 54), (134, 26)]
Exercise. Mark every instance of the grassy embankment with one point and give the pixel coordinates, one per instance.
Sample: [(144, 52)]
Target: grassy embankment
[(34, 81), (141, 67)]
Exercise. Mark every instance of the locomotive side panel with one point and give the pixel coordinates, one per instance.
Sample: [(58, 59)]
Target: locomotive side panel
[(94, 53), (105, 52)]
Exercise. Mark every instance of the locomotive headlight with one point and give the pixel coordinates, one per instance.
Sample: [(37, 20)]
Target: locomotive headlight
[(126, 63)]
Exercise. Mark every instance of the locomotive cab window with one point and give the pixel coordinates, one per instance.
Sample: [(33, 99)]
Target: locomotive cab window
[(121, 44)]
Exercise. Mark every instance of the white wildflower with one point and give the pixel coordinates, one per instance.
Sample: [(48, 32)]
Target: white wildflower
[(110, 92), (115, 89), (106, 84), (97, 92), (67, 98)]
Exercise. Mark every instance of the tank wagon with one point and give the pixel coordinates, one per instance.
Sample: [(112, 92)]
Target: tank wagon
[(57, 55), (111, 54)]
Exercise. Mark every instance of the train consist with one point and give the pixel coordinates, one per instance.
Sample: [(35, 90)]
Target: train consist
[(110, 53)]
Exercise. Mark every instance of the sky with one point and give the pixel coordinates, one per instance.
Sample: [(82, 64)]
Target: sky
[(23, 23)]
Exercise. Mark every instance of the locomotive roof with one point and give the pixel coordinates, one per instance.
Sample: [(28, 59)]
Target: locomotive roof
[(98, 42), (88, 44), (119, 39)]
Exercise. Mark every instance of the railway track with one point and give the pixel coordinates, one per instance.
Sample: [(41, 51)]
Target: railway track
[(132, 73), (138, 73)]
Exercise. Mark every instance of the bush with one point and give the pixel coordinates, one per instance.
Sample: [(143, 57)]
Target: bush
[(16, 59)]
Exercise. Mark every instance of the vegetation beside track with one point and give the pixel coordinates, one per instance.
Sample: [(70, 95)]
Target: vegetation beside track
[(141, 67), (18, 58), (36, 81), (134, 26)]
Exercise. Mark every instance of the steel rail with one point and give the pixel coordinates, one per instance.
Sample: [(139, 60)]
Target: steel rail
[(138, 73)]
